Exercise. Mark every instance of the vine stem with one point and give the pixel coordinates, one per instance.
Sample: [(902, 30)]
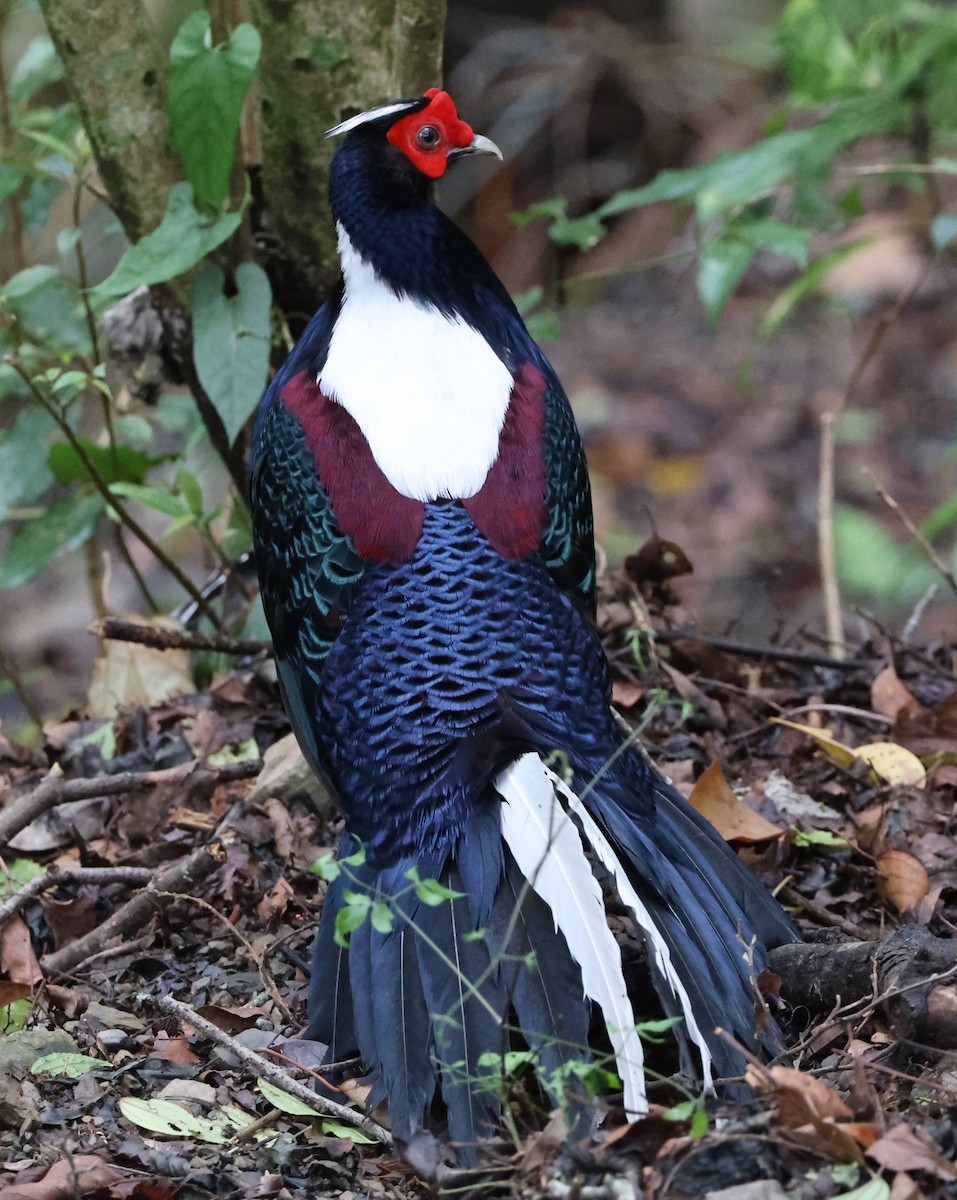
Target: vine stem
[(104, 489)]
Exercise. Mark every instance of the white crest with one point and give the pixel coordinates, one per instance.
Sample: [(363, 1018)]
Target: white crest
[(427, 390), (384, 110)]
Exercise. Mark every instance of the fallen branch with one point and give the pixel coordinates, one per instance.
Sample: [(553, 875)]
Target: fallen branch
[(58, 876), (182, 876), (56, 790), (269, 1070), (909, 979), (118, 630), (752, 650)]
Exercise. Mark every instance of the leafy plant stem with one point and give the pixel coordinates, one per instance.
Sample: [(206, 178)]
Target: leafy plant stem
[(827, 557), (93, 555), (913, 530), (84, 281), (124, 552), (115, 503), (10, 668)]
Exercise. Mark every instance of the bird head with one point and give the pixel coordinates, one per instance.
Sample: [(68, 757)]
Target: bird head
[(424, 133)]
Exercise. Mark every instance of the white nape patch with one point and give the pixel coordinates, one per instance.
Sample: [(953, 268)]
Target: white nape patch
[(384, 110), (428, 391), (547, 846)]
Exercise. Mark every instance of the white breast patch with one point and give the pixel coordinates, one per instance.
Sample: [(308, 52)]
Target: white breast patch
[(428, 392)]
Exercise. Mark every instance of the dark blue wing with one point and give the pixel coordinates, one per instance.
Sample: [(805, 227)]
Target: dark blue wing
[(308, 568)]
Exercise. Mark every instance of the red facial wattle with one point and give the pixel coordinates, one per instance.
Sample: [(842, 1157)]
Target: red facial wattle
[(429, 154)]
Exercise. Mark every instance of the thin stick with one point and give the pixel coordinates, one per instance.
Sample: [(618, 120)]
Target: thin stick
[(182, 876), (56, 876), (946, 573), (120, 630), (114, 501), (268, 1070), (753, 650), (11, 669), (55, 789)]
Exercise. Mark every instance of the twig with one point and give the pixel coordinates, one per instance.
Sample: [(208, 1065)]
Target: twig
[(822, 915), (57, 876), (104, 489), (827, 557), (945, 572), (120, 630), (825, 501), (269, 1070), (56, 790), (267, 980), (751, 650), (910, 625), (182, 876), (11, 669)]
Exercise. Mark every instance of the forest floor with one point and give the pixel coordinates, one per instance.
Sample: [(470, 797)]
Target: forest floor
[(859, 842)]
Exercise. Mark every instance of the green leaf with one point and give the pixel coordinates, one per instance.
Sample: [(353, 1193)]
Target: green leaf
[(327, 868), (67, 1066), (63, 526), (152, 497), (943, 230), (183, 239), (231, 341), (207, 88), (17, 874), (120, 463), (722, 264), (165, 1117), (873, 565), (38, 67), (430, 891), (348, 919), (805, 285), (804, 838), (283, 1101), (188, 487), (381, 917), (342, 1130), (24, 473), (25, 282)]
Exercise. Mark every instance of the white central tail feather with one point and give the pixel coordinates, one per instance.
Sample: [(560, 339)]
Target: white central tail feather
[(643, 919), (547, 846)]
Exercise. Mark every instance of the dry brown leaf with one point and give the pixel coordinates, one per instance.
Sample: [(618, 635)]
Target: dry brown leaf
[(801, 1097), (273, 904), (128, 675), (174, 1049), (624, 694), (713, 798), (889, 696), (906, 1149), (74, 1175), (901, 879), (17, 959)]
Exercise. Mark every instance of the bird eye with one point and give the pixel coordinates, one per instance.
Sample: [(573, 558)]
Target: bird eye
[(427, 137)]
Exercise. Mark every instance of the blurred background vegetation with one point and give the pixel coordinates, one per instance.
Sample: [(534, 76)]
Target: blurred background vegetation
[(734, 221)]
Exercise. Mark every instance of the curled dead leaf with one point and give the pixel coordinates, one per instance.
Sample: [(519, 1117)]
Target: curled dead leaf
[(901, 879), (713, 797), (889, 695)]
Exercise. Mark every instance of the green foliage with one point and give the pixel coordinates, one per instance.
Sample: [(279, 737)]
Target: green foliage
[(182, 240), (77, 462), (207, 88), (231, 341), (856, 69)]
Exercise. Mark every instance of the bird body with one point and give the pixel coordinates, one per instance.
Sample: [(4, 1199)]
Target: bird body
[(423, 529)]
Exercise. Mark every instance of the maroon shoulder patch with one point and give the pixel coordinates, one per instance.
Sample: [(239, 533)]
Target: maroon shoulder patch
[(384, 525), (509, 510)]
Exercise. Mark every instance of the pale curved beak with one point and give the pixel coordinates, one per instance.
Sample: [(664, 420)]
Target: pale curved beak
[(478, 145)]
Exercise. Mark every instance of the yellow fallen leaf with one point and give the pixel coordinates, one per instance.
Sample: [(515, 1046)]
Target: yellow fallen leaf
[(842, 755), (893, 764), (888, 762)]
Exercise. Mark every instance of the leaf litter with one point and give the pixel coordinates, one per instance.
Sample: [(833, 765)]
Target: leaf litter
[(781, 755)]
